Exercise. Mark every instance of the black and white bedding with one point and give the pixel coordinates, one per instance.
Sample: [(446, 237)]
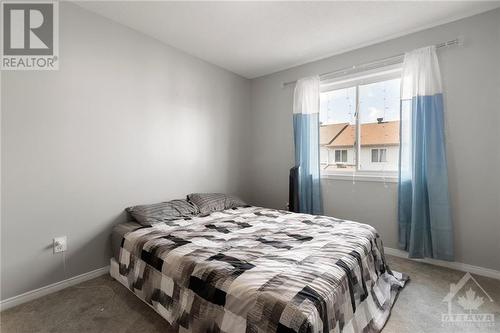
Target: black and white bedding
[(254, 269)]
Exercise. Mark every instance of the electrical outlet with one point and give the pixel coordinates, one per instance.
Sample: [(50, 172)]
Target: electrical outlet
[(60, 244)]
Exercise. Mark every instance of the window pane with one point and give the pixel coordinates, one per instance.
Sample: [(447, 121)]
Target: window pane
[(383, 157), (379, 112), (337, 156), (374, 155), (338, 128)]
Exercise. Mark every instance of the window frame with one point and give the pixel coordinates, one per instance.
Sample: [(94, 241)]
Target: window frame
[(356, 80)]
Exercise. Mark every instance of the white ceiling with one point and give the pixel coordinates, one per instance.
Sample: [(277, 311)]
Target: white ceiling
[(257, 38)]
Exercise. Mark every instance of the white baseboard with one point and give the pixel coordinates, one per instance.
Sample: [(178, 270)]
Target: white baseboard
[(488, 272), (51, 288)]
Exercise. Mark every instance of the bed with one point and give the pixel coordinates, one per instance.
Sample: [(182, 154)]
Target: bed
[(253, 269)]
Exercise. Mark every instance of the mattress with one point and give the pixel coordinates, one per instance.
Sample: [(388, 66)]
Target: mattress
[(118, 233), (254, 269)]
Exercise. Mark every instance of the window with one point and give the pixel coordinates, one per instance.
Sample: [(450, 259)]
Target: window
[(341, 156), (359, 123), (379, 155)]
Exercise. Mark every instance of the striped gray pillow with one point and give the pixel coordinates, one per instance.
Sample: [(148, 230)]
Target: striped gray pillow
[(214, 202), (162, 212)]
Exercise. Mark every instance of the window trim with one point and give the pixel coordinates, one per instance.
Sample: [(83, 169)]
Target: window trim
[(360, 79)]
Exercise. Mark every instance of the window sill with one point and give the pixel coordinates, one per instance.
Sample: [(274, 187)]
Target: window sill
[(362, 177)]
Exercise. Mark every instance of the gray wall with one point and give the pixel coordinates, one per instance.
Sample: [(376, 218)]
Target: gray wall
[(126, 120), (471, 76)]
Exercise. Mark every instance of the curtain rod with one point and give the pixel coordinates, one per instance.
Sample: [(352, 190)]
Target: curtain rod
[(377, 63)]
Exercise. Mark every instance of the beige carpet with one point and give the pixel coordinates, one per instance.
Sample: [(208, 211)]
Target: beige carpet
[(104, 305)]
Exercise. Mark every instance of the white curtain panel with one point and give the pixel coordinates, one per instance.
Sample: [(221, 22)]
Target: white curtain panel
[(306, 95), (421, 75)]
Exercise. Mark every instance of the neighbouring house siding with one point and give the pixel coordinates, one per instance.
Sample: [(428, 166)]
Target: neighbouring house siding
[(365, 156), (392, 159), (331, 155)]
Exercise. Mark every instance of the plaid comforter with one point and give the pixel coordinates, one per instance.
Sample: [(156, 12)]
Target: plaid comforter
[(261, 270)]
